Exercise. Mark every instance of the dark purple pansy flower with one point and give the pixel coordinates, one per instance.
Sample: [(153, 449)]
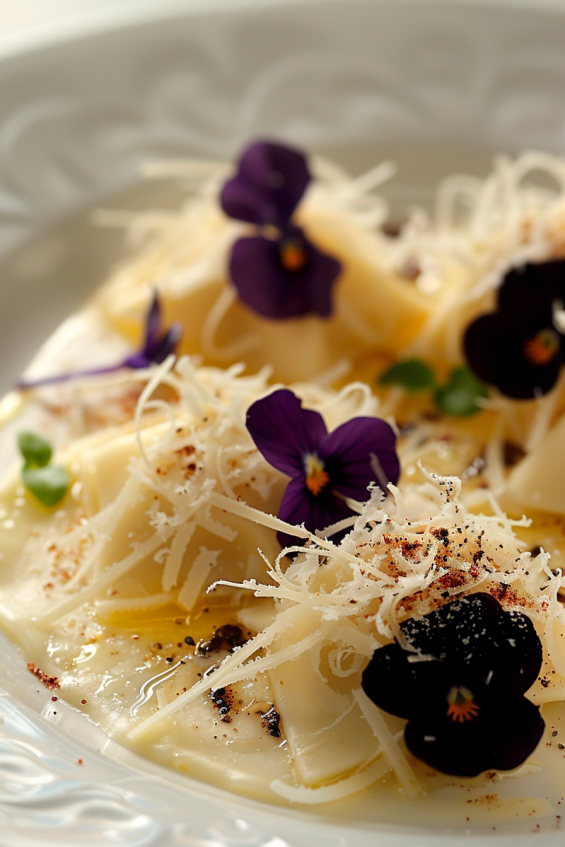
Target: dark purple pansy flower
[(324, 467), (157, 345), (520, 348), (278, 272), (462, 685)]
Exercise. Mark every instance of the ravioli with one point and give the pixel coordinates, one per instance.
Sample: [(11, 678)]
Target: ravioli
[(157, 594)]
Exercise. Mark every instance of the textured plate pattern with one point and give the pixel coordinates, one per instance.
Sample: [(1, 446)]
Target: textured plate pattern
[(77, 119)]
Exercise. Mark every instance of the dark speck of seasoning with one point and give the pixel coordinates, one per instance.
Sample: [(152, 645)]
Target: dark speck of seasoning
[(554, 733), (190, 641), (392, 229), (535, 551), (270, 720), (228, 637), (222, 700), (561, 746), (513, 453)]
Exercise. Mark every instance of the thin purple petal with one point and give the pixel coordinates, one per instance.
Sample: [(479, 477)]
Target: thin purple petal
[(269, 183), (269, 289), (67, 376), (154, 351), (152, 321), (359, 452), (284, 432), (166, 345), (299, 506)]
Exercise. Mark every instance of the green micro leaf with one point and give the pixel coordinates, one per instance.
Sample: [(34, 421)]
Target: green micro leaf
[(460, 393), (412, 374), (49, 484), (35, 449)]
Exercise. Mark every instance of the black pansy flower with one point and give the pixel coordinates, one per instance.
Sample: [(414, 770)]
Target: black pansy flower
[(325, 468), (278, 272), (156, 346), (520, 348), (461, 685)]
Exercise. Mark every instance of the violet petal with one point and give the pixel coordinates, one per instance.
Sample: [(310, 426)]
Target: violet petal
[(501, 737), (495, 349), (395, 684), (269, 183), (269, 289), (299, 506), (165, 345), (153, 320), (530, 290), (284, 432), (359, 452)]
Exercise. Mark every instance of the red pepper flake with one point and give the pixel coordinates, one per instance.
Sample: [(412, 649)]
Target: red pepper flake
[(50, 682), (83, 702), (79, 761)]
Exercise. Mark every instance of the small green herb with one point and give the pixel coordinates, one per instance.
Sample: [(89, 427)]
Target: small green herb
[(413, 375), (49, 484), (460, 393), (35, 449)]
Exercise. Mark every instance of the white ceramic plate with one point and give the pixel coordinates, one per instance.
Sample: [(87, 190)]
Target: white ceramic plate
[(439, 86)]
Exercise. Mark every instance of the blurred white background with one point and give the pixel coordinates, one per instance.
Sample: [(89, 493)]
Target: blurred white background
[(23, 18), (20, 15)]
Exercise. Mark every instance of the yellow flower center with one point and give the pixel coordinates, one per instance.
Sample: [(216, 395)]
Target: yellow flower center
[(462, 706), (293, 255), (541, 349), (316, 477)]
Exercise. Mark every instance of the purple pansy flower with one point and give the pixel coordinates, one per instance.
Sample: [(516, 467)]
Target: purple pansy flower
[(157, 345), (325, 468), (460, 681), (278, 272), (520, 347)]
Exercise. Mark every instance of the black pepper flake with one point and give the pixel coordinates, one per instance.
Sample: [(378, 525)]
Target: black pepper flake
[(222, 699), (227, 637), (190, 641), (270, 720)]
